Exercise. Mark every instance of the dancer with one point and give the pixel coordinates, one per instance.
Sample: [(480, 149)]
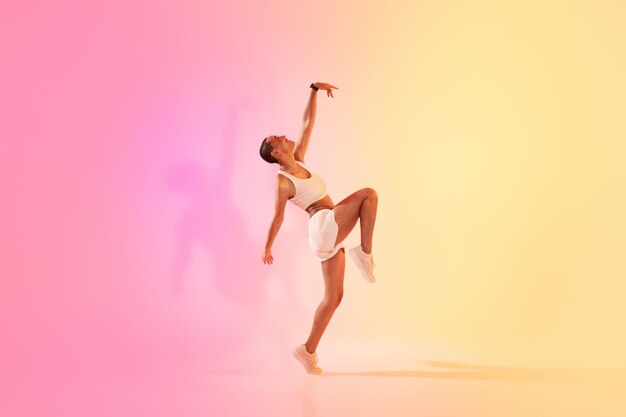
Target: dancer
[(328, 225)]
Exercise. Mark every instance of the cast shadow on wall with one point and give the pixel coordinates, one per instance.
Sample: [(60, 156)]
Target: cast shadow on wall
[(212, 222)]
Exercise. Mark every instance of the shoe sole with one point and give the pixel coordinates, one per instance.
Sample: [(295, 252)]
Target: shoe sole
[(355, 258)]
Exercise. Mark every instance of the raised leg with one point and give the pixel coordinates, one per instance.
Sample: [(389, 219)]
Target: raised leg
[(359, 205), (333, 270)]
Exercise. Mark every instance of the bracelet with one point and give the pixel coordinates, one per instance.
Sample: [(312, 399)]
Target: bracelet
[(314, 87)]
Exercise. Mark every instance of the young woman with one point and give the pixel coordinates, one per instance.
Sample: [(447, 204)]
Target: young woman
[(329, 224)]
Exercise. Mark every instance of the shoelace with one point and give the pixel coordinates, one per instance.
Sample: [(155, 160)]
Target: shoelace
[(370, 263)]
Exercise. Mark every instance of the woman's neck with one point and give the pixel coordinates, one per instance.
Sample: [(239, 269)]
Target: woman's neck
[(289, 166)]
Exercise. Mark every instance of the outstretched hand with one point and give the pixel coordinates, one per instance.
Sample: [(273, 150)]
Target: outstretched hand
[(327, 87)]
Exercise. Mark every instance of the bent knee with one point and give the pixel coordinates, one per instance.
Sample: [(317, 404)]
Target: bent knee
[(370, 192)]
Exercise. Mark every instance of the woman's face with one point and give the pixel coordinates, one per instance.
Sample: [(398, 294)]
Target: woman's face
[(281, 144)]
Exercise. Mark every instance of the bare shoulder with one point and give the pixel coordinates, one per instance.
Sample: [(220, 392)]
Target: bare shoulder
[(285, 187)]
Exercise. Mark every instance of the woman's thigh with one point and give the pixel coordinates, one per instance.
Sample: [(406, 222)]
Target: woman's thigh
[(347, 212)]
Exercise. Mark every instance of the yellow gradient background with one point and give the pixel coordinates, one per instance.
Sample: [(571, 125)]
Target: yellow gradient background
[(494, 135)]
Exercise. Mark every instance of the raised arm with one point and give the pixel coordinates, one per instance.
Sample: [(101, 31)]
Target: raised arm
[(283, 191), (308, 119)]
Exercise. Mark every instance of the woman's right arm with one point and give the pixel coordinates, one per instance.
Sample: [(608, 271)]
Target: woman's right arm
[(282, 195)]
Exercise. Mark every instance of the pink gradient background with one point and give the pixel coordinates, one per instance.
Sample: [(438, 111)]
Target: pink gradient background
[(136, 206)]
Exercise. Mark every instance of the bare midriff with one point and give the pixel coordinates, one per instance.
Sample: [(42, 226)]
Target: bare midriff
[(322, 203)]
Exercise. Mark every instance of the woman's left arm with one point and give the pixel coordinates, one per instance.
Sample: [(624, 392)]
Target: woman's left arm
[(308, 119)]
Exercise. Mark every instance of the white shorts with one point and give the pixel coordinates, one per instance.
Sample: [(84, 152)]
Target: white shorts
[(323, 230)]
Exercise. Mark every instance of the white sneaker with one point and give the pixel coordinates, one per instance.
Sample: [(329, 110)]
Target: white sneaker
[(309, 360), (365, 262)]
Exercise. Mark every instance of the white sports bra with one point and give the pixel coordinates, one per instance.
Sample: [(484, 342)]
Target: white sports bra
[(308, 190)]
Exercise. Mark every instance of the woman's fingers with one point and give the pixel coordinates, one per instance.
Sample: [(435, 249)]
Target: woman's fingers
[(328, 88), (325, 86)]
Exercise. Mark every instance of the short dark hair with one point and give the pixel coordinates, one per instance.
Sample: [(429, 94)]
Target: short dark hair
[(266, 152)]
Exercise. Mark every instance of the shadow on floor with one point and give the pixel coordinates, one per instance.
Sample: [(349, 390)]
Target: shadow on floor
[(464, 371)]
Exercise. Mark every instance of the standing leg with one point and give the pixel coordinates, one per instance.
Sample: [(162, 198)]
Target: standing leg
[(333, 270), (359, 205)]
